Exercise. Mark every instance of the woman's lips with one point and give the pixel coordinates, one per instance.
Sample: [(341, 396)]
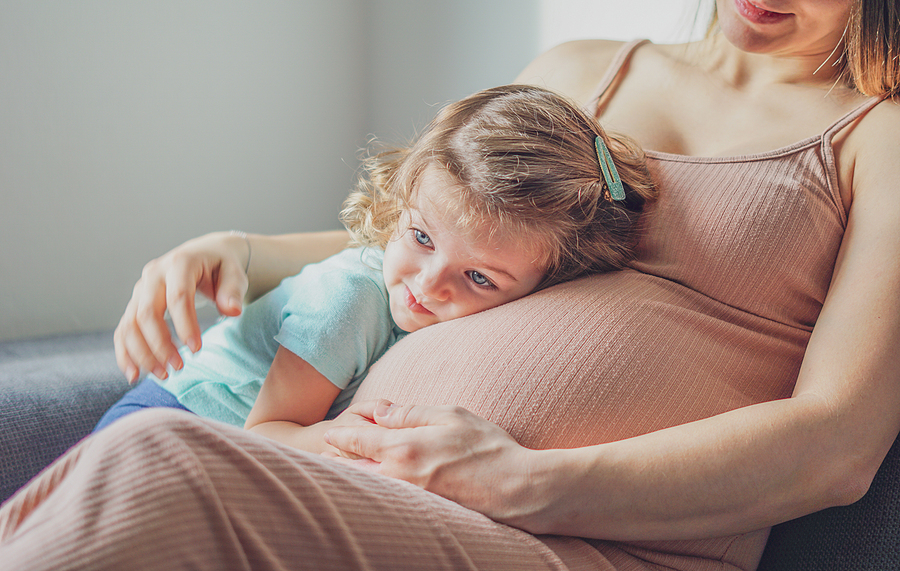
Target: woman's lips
[(758, 15), (414, 305)]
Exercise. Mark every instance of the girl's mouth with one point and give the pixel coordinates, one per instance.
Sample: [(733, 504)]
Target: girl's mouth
[(414, 305)]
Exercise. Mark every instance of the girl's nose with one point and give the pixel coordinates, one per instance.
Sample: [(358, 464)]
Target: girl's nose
[(434, 282)]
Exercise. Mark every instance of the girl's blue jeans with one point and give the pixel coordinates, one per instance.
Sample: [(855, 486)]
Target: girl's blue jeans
[(147, 394)]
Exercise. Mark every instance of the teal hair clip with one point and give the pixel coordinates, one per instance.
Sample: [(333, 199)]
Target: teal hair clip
[(610, 174)]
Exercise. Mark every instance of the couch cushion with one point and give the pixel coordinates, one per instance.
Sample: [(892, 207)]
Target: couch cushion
[(52, 392)]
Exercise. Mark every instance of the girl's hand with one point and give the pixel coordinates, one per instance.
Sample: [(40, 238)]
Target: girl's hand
[(352, 417), (309, 438), (446, 450), (213, 265)]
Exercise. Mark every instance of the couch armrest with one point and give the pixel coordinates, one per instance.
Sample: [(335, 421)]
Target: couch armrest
[(52, 392), (864, 536)]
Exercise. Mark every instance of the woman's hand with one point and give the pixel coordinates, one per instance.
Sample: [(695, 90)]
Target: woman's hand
[(446, 450), (213, 265)]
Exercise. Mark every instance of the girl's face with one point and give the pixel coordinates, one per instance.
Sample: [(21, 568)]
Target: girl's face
[(434, 274), (795, 28)]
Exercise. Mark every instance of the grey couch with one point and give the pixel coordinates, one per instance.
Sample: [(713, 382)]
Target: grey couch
[(53, 391)]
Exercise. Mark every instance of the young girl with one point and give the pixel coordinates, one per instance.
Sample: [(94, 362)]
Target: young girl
[(508, 191)]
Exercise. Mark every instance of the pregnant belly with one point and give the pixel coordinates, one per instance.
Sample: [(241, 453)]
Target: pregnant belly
[(596, 360)]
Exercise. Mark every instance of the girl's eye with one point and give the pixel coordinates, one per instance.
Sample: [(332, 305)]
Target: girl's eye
[(421, 237), (479, 279)]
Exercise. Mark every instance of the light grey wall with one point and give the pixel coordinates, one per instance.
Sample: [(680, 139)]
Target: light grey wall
[(128, 126), (428, 53)]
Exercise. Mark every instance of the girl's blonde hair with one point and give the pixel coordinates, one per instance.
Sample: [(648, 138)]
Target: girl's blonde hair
[(871, 56), (526, 164)]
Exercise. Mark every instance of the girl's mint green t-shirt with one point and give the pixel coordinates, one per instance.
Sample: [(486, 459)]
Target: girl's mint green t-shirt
[(334, 315)]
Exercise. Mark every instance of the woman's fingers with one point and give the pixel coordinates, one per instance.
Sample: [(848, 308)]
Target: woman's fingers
[(230, 288), (209, 265), (365, 409), (126, 364), (133, 351), (181, 283), (353, 441), (151, 329), (390, 415), (142, 338)]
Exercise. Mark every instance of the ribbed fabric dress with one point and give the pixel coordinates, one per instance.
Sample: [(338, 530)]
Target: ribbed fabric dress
[(715, 314)]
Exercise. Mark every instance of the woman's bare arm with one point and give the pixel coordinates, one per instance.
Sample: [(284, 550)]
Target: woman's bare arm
[(213, 265)]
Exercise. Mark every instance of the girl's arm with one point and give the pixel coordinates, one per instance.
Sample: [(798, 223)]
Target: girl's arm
[(731, 473), (293, 398), (213, 265)]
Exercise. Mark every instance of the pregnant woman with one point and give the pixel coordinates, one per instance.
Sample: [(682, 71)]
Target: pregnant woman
[(742, 372)]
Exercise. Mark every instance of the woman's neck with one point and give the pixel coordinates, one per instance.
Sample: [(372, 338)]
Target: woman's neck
[(749, 72)]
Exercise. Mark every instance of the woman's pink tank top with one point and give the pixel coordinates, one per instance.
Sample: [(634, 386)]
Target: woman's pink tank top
[(715, 314), (756, 232)]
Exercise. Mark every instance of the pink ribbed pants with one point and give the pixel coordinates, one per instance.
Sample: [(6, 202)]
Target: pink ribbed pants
[(168, 490)]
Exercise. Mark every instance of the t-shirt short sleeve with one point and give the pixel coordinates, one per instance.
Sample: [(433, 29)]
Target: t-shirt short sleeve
[(338, 318)]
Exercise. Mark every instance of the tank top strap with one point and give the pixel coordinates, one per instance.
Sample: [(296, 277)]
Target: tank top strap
[(613, 72), (828, 158), (850, 117)]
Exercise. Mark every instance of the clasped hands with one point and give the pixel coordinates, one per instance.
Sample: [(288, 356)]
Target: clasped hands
[(446, 450)]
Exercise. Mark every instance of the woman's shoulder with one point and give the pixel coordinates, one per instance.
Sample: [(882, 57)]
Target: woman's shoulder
[(572, 68), (575, 68), (873, 150), (881, 123)]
